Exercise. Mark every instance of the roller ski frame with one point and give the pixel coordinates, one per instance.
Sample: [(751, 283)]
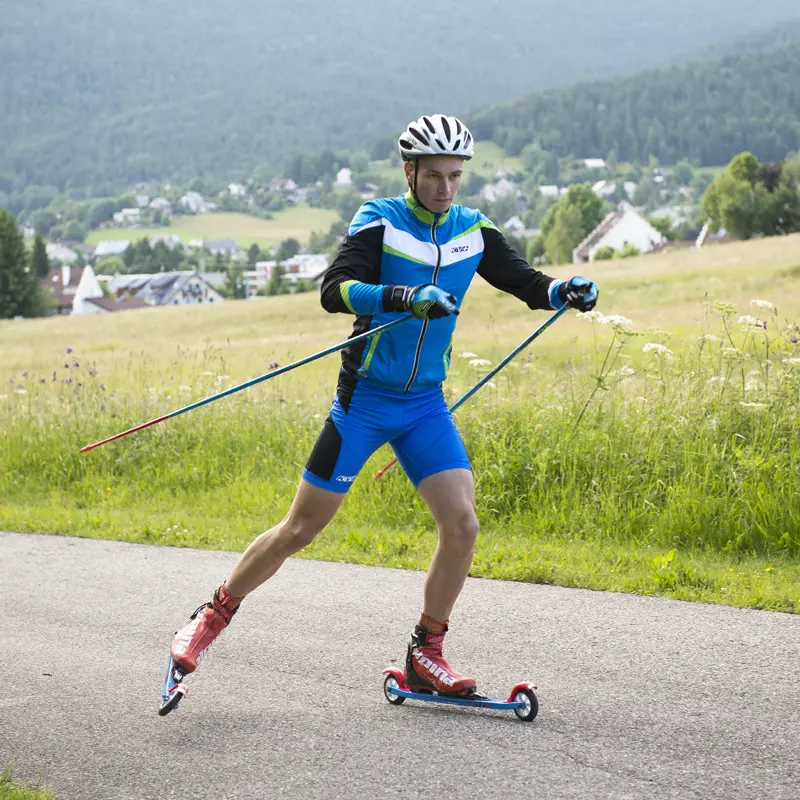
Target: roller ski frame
[(522, 699), (175, 688)]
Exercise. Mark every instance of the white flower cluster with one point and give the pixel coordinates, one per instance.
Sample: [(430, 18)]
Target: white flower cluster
[(765, 304), (654, 347), (480, 362), (615, 320)]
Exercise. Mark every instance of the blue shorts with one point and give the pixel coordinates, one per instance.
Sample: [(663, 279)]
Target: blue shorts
[(418, 426)]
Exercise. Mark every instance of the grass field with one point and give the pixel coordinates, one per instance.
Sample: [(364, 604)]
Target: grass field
[(297, 222), (11, 789), (660, 457)]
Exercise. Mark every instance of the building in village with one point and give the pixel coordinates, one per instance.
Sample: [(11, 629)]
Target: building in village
[(77, 291), (623, 226), (302, 267), (180, 287)]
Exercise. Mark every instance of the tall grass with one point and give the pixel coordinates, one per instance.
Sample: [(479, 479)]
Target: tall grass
[(659, 456)]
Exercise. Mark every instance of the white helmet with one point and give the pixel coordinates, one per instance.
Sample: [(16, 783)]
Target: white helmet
[(436, 135)]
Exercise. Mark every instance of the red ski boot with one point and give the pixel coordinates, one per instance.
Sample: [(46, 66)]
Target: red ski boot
[(427, 669), (192, 641)]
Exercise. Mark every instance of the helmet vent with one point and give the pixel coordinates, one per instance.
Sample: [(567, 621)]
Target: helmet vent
[(439, 142), (429, 124), (446, 127), (421, 135)]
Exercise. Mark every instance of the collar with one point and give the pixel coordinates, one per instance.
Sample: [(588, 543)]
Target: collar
[(422, 213)]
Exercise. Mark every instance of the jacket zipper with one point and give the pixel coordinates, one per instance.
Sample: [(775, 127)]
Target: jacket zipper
[(418, 352)]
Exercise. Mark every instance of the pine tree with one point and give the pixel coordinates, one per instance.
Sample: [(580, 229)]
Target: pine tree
[(40, 263), (19, 289)]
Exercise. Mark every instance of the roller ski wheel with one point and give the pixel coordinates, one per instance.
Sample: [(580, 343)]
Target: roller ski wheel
[(175, 688), (522, 699)]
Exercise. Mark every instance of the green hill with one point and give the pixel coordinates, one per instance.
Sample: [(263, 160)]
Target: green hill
[(114, 92), (706, 112)]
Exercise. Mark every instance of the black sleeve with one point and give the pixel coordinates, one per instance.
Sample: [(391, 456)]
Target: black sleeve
[(505, 270), (357, 259)]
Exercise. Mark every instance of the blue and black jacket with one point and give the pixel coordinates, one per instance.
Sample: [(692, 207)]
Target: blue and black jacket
[(397, 242)]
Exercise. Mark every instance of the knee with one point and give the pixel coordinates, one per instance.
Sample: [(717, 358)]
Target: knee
[(461, 533), (298, 532)]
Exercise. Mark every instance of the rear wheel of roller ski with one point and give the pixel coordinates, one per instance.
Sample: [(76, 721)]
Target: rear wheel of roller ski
[(174, 688), (522, 700)]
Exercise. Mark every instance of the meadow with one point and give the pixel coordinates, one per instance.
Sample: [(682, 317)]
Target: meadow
[(297, 222), (650, 447)]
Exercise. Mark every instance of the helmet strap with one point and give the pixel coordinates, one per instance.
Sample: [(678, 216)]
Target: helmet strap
[(413, 187)]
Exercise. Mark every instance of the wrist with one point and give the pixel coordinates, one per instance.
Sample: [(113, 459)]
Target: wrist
[(398, 298)]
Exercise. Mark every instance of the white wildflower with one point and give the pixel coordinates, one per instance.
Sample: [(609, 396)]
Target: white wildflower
[(792, 362), (618, 321), (765, 304), (733, 351), (3, 397), (208, 373), (467, 354), (709, 337), (480, 362), (753, 406), (592, 316), (20, 390), (654, 347), (748, 320), (626, 371), (491, 384), (713, 422), (186, 388)]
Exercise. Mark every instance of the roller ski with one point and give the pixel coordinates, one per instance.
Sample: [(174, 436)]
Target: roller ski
[(191, 644), (430, 678)]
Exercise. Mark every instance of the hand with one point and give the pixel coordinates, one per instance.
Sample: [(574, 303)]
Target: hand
[(424, 302), (579, 293), (431, 302)]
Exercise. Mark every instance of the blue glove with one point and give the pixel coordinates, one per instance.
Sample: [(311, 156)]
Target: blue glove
[(424, 302), (579, 293)]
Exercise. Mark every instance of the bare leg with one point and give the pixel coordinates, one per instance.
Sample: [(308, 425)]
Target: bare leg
[(312, 509), (450, 496)]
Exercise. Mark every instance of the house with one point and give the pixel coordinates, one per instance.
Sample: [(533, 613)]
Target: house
[(594, 163), (186, 287), (623, 226), (494, 191), (237, 190), (604, 188), (344, 178), (108, 249), (514, 225), (61, 253), (309, 267), (171, 240), (141, 200), (552, 191), (195, 202), (77, 291), (127, 217), (28, 232), (214, 246), (162, 205)]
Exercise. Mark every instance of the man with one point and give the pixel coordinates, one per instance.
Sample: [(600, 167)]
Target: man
[(415, 253)]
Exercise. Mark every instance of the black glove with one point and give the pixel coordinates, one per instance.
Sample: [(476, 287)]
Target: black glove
[(579, 293), (424, 302)]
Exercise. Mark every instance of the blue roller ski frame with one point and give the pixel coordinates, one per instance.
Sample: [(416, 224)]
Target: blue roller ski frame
[(522, 699), (174, 688)]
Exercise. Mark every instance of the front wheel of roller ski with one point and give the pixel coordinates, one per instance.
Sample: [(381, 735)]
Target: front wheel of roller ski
[(522, 700), (527, 703), (174, 688), (390, 685)]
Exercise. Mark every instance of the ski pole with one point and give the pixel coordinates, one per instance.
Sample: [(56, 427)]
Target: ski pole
[(253, 381), (489, 375)]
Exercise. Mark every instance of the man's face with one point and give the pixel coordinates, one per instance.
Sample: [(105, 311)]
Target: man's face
[(438, 180)]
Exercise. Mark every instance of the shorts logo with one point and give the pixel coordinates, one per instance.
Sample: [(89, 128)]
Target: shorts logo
[(345, 478), (463, 249)]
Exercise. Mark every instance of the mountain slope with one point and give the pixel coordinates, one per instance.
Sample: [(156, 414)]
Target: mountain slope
[(706, 112), (116, 91)]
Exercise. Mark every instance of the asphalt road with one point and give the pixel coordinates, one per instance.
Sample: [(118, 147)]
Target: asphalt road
[(640, 697)]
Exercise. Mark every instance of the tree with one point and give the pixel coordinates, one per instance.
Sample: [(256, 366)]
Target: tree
[(277, 283), (253, 254), (605, 253), (588, 205), (566, 233), (74, 231), (289, 248), (664, 227), (20, 293), (683, 172), (40, 263)]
